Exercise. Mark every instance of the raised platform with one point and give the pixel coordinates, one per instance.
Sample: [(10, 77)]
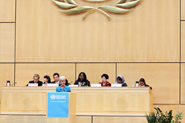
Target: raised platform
[(105, 104), (38, 118)]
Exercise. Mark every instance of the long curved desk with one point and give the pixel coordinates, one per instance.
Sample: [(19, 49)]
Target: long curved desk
[(89, 100)]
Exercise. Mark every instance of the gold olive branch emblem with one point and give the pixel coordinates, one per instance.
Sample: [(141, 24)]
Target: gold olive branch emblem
[(122, 6)]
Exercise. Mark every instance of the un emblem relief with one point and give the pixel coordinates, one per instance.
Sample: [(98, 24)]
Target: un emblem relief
[(52, 96), (71, 7)]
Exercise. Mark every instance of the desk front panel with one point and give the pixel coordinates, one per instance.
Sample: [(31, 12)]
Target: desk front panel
[(105, 100)]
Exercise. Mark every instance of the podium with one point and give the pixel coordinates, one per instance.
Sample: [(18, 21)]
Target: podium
[(61, 107)]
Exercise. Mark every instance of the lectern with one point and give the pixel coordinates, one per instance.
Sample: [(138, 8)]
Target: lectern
[(61, 107)]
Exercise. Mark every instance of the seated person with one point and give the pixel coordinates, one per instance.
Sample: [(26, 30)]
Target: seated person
[(142, 83), (36, 78), (121, 80), (66, 83), (63, 87), (56, 78), (47, 79), (105, 82), (82, 80)]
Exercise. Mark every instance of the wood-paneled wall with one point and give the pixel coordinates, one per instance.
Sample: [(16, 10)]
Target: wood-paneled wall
[(150, 33), (148, 42), (7, 10)]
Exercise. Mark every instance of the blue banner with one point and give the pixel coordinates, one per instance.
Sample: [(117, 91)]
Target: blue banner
[(58, 104)]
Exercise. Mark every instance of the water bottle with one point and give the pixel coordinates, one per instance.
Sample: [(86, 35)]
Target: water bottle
[(137, 83), (8, 83)]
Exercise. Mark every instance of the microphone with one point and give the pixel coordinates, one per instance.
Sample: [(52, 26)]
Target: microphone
[(137, 83), (71, 82)]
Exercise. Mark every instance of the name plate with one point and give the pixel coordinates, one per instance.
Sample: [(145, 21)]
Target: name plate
[(33, 84), (116, 85), (51, 85), (73, 86), (95, 85)]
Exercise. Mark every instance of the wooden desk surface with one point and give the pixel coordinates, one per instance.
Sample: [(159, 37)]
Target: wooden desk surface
[(89, 100)]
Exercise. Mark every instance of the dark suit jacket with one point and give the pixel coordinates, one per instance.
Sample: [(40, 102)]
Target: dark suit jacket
[(124, 84), (148, 86), (87, 83), (53, 82), (39, 83)]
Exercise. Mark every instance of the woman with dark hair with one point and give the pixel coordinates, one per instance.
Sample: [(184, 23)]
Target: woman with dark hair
[(47, 79), (121, 80), (82, 80), (142, 83), (67, 83), (105, 82)]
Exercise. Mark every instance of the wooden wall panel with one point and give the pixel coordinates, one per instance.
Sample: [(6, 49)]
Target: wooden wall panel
[(162, 77), (181, 108), (22, 119), (102, 119), (7, 10), (7, 36), (6, 73), (183, 41), (25, 72), (183, 83), (182, 9), (164, 108), (150, 33), (174, 108), (95, 70), (83, 119)]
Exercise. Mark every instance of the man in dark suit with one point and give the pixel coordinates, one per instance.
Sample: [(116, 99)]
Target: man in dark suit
[(36, 78), (56, 78)]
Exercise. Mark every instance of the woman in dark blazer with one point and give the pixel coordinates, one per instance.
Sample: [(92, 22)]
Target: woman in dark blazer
[(82, 80)]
